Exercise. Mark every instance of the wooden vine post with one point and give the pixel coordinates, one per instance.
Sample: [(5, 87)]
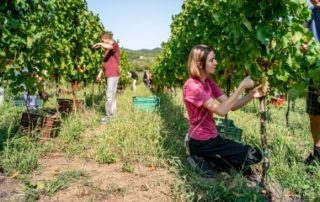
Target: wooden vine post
[(74, 93), (226, 116), (264, 144), (288, 111)]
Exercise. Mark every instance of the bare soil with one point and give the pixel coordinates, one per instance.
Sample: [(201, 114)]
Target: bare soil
[(105, 182), (10, 189)]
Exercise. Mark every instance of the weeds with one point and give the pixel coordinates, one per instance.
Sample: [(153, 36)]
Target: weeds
[(49, 187), (127, 167), (62, 181), (103, 155), (19, 155), (157, 138)]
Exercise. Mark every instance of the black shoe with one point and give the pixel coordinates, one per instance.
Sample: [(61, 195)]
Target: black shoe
[(201, 166), (311, 160)]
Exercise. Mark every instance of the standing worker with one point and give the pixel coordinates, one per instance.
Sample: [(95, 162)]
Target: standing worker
[(147, 78), (111, 70), (134, 76)]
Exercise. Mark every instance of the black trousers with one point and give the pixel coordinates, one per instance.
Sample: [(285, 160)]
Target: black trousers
[(225, 154)]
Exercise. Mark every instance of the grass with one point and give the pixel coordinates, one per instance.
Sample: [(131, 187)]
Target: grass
[(49, 187), (9, 121), (20, 155), (156, 138), (288, 147)]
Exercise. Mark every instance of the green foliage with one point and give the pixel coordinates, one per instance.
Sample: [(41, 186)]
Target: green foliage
[(103, 155), (223, 189), (9, 120), (61, 181), (50, 38), (288, 146), (74, 29), (134, 136), (19, 155), (19, 32), (247, 40), (52, 45), (33, 191), (127, 138), (156, 138), (297, 91), (125, 66), (72, 127)]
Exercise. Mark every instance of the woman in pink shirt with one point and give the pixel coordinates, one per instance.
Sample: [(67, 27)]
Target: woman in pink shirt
[(203, 98)]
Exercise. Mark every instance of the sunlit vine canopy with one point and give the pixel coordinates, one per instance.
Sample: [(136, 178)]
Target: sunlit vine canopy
[(50, 38), (260, 38)]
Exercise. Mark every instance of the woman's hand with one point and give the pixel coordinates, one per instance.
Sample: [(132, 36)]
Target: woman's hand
[(96, 45), (105, 45), (258, 92), (99, 76)]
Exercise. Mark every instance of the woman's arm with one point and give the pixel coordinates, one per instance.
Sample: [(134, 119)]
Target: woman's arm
[(255, 93), (226, 104), (105, 46), (242, 101)]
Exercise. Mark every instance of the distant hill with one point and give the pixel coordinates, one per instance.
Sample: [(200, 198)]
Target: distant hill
[(143, 52), (144, 58)]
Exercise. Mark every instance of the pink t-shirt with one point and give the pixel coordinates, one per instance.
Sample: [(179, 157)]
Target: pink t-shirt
[(111, 62), (195, 94)]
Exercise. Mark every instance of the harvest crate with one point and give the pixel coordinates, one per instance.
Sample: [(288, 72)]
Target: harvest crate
[(31, 120), (46, 125), (66, 105), (146, 103), (233, 132), (50, 126)]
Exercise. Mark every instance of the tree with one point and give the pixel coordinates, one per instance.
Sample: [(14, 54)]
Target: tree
[(20, 45), (257, 38)]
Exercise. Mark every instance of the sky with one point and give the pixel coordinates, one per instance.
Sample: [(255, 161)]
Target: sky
[(137, 24)]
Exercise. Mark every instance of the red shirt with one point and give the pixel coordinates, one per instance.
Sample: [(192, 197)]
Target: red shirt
[(195, 94), (110, 64)]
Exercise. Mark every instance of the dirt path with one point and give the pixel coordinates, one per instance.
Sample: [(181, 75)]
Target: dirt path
[(105, 182), (10, 189), (101, 182)]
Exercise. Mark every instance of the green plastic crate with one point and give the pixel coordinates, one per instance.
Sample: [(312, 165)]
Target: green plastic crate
[(233, 132), (220, 121), (146, 103)]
